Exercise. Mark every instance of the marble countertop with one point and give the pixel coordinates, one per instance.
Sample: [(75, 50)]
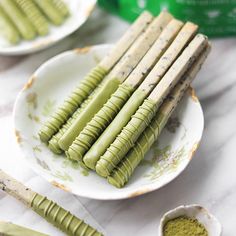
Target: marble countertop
[(209, 180)]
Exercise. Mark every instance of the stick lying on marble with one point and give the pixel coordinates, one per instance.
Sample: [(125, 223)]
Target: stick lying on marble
[(121, 174), (10, 229), (116, 77), (93, 78), (37, 18), (8, 30), (49, 210), (110, 109), (137, 98), (21, 22), (143, 116)]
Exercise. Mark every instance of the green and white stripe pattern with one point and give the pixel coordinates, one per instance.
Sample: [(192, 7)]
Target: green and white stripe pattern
[(141, 119), (137, 98), (8, 29), (91, 81), (111, 108), (124, 170), (116, 77), (17, 17), (34, 15)]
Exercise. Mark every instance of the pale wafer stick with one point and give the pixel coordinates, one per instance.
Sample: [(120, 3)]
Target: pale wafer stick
[(137, 98), (142, 117), (93, 78), (122, 173), (10, 229), (110, 109), (46, 208), (116, 77)]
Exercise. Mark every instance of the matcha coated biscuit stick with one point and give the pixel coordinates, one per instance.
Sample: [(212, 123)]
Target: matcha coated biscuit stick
[(18, 18), (143, 116), (50, 11), (122, 173), (8, 29), (137, 98), (61, 7), (116, 77), (34, 15), (110, 109), (10, 229), (49, 210), (53, 142), (93, 78)]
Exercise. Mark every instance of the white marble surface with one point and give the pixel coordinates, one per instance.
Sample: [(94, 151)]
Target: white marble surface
[(210, 179)]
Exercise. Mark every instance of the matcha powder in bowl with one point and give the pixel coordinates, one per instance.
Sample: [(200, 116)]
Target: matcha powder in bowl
[(184, 226)]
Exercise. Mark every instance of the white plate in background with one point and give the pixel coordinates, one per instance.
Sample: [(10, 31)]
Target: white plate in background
[(48, 87), (80, 10)]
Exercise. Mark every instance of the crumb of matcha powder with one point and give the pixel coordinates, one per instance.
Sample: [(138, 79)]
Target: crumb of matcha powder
[(184, 226)]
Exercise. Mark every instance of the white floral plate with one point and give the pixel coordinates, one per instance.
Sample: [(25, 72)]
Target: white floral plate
[(47, 88), (80, 10)]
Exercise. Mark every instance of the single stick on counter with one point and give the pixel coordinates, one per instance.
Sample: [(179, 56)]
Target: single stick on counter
[(37, 19), (93, 78), (18, 18), (143, 116), (49, 210), (8, 29), (137, 98), (10, 229), (111, 108), (116, 77), (122, 173)]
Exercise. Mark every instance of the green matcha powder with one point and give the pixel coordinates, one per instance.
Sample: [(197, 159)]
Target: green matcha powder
[(184, 226)]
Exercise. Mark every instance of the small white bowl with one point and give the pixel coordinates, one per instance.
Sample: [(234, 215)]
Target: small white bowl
[(80, 10), (211, 224), (48, 87)]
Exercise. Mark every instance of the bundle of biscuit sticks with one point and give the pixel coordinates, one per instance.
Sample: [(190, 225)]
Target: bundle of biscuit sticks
[(114, 115)]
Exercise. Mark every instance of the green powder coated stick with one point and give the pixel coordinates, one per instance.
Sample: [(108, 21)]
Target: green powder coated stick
[(61, 7), (99, 147), (18, 18), (122, 118), (91, 81), (95, 104), (7, 28), (53, 142), (92, 130), (141, 119), (34, 15), (71, 103), (122, 173), (10, 229), (111, 108), (49, 210), (116, 77), (50, 11)]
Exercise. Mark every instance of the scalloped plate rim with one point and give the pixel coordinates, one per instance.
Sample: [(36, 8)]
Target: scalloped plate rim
[(48, 40), (119, 195)]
